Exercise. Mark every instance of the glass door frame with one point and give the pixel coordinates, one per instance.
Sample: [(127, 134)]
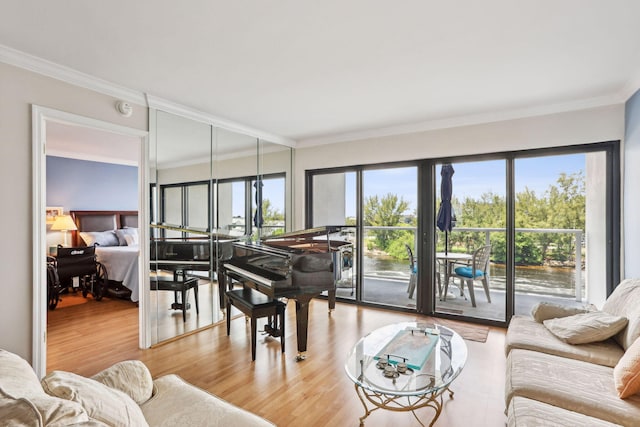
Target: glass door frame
[(426, 258), (426, 213)]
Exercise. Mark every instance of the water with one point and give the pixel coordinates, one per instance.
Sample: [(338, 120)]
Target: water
[(557, 281)]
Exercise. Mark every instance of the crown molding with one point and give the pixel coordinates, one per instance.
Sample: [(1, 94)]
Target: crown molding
[(630, 88), (91, 157), (474, 119), (68, 75), (47, 68), (193, 114)]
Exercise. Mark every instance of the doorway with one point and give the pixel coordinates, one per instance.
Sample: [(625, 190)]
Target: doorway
[(45, 123)]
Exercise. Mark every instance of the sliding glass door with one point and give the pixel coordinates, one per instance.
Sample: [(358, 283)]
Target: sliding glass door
[(471, 239), (389, 233), (560, 201), (479, 237)]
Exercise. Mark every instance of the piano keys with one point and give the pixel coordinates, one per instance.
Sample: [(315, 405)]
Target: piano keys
[(298, 265)]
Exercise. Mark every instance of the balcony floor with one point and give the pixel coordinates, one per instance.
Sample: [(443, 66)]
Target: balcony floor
[(392, 291)]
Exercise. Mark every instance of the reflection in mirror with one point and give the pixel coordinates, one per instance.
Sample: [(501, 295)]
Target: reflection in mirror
[(203, 199), (181, 283)]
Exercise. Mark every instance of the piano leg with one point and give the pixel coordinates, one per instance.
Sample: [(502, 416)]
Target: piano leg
[(222, 289), (302, 324), (331, 296)]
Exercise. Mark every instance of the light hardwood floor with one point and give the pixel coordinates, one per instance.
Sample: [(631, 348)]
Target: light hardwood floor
[(315, 392)]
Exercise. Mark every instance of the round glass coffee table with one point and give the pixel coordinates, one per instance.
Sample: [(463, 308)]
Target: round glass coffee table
[(405, 367)]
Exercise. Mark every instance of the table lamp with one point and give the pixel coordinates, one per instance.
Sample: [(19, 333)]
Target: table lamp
[(64, 223)]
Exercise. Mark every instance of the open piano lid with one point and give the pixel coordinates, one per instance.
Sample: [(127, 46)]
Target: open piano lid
[(325, 230)]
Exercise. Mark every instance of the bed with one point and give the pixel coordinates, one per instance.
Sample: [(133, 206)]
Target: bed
[(116, 233)]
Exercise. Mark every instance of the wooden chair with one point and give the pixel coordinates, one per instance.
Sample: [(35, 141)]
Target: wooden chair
[(477, 270)]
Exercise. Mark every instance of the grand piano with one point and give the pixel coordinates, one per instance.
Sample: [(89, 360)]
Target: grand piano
[(180, 255), (298, 265)]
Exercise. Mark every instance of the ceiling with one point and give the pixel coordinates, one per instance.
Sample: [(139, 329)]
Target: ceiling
[(325, 71)]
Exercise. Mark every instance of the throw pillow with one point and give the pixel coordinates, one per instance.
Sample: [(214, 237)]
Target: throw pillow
[(101, 403), (39, 411), (23, 402), (625, 302), (548, 310), (626, 374), (586, 327), (131, 377)]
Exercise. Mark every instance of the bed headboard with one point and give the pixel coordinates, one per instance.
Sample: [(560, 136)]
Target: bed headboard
[(102, 221)]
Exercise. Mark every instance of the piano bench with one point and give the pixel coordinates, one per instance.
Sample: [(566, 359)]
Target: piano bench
[(161, 283), (256, 305)]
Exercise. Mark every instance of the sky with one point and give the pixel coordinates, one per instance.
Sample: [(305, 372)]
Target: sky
[(470, 179)]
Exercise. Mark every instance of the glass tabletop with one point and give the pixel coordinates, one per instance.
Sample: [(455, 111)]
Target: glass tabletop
[(434, 356)]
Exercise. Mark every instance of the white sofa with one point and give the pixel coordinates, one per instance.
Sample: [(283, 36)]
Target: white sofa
[(550, 382), (121, 395)]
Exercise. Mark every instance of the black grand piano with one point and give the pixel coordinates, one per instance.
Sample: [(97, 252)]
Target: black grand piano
[(180, 255), (298, 265)]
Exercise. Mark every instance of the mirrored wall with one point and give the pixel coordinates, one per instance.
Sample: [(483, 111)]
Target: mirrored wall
[(210, 187)]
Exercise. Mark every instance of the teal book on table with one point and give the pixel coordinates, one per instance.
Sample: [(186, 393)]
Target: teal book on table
[(411, 346)]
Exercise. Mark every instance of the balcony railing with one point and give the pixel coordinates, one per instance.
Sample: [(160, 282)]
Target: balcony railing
[(577, 236)]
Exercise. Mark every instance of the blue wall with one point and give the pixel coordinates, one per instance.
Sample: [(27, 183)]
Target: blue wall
[(84, 185), (631, 185)]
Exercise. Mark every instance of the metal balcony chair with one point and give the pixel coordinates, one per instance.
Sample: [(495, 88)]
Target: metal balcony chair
[(413, 269), (477, 270)]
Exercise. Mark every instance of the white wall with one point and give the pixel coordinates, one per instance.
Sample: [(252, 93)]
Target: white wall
[(595, 234), (577, 127), (20, 89), (631, 179)]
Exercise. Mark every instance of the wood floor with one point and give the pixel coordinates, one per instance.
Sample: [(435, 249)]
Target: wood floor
[(316, 392)]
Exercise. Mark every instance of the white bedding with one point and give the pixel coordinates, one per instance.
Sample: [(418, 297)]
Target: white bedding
[(121, 263)]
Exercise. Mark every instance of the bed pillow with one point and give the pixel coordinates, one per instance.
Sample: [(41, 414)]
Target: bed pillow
[(101, 402), (122, 234), (585, 328), (102, 238)]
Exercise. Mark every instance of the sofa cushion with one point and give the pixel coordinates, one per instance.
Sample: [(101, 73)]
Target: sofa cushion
[(526, 333), (626, 374), (101, 403), (625, 302), (23, 399), (178, 403), (131, 377), (575, 385), (523, 412), (584, 328)]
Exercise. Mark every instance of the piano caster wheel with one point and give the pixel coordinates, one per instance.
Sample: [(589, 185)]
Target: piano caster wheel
[(301, 356)]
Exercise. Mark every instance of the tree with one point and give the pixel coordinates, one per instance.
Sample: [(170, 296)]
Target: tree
[(386, 211)]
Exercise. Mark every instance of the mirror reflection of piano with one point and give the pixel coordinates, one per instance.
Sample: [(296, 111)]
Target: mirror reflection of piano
[(183, 254), (298, 265)]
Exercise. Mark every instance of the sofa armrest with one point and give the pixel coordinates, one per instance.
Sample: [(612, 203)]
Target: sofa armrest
[(176, 402)]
